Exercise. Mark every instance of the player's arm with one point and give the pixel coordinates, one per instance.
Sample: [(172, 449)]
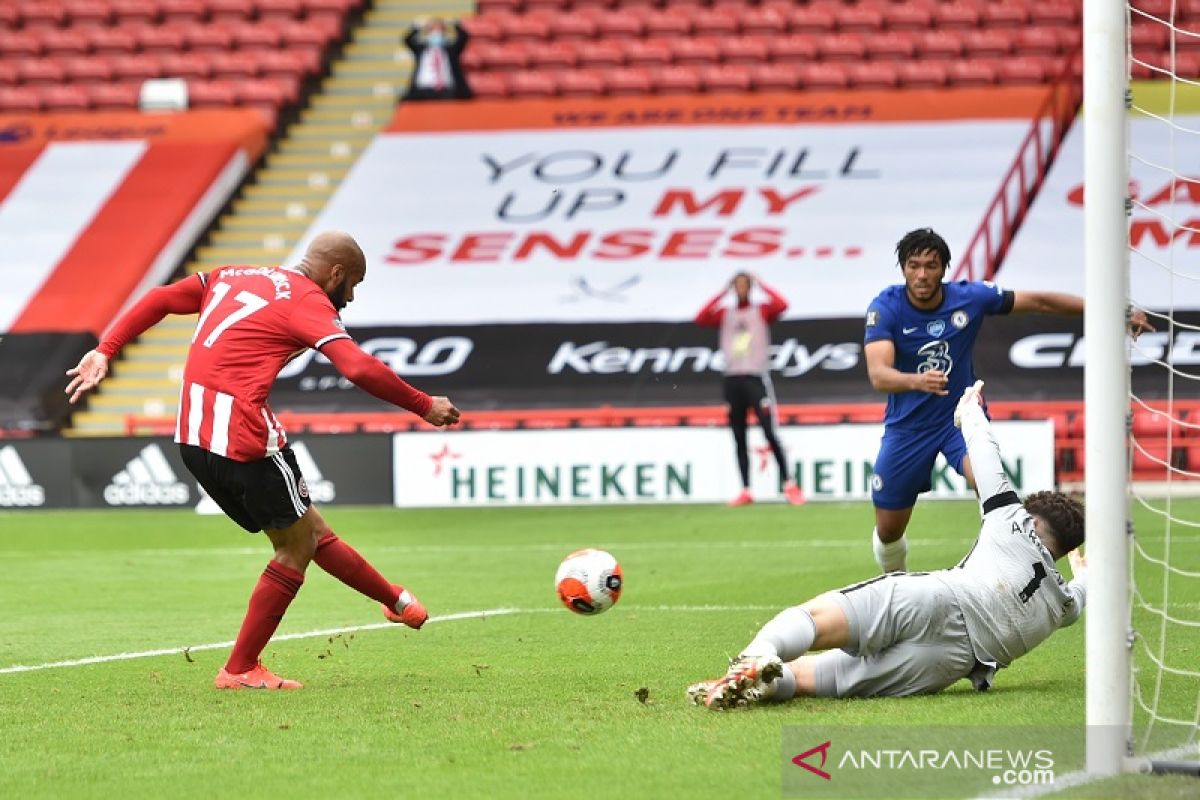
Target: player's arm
[(776, 303), (1071, 305), (373, 376), (1076, 588), (991, 482), (710, 316), (881, 369), (183, 297)]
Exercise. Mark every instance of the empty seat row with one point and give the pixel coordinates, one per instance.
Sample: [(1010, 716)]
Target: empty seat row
[(772, 18), (34, 14), (298, 62), (166, 38), (761, 77), (763, 49), (270, 93)]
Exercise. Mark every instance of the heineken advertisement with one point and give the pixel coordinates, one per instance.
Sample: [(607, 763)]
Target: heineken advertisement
[(671, 465)]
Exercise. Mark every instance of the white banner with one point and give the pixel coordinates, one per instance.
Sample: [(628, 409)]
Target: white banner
[(670, 465), (645, 224), (1164, 271)]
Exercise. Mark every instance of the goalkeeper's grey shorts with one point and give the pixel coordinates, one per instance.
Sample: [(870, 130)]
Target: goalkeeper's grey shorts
[(907, 636)]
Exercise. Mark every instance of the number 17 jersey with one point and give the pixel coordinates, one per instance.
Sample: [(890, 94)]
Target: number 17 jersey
[(938, 339), (252, 321)]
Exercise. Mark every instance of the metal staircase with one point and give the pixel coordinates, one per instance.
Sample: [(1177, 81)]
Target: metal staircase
[(278, 205)]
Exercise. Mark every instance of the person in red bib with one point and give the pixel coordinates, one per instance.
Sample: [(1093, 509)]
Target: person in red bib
[(252, 321), (745, 337)]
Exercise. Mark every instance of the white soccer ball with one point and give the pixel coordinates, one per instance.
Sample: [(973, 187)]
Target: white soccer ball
[(589, 581)]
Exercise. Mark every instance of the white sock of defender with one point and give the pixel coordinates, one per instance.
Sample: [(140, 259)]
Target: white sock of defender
[(787, 637), (890, 556)]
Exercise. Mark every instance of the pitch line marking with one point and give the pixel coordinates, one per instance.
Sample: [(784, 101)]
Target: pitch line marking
[(483, 614)]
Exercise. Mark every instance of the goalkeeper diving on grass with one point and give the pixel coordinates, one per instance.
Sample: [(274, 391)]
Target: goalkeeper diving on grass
[(918, 633)]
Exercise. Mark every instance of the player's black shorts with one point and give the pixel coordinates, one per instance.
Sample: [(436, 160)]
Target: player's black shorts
[(268, 494), (744, 391)]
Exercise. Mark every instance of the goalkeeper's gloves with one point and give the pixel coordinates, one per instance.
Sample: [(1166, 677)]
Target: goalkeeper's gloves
[(972, 398)]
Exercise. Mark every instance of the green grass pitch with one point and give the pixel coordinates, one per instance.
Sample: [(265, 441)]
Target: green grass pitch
[(538, 702)]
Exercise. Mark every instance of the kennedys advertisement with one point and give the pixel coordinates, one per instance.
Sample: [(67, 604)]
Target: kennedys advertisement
[(671, 465), (1030, 357), (626, 223)]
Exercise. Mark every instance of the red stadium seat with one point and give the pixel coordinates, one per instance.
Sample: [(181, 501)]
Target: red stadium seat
[(890, 46), (972, 72), (1151, 424), (1151, 459), (330, 7), (1187, 64), (256, 37), (65, 98), (22, 44), (10, 17), (231, 11), (907, 17), (288, 85), (629, 81), (65, 42), (484, 29), (749, 50), (590, 5), (208, 38), (874, 75), (860, 19), (238, 64), (489, 86), (573, 26), (794, 49), (88, 69), (775, 77), (532, 83), (939, 44), (275, 63), (42, 72), (668, 22), (1006, 15), (842, 47), (304, 34), (648, 52), (546, 5), (183, 10), (554, 55), (20, 99), (764, 20), (8, 74), (269, 10), (600, 54), (620, 24), (1054, 13), (160, 39), (114, 96), (1070, 39), (190, 66), (260, 94), (812, 19), (824, 77), (581, 83), (676, 79), (211, 94), (1020, 70), (726, 78), (42, 15), (524, 28), (1036, 42), (132, 12), (503, 56), (1151, 37), (986, 43), (696, 52), (715, 22), (956, 15), (111, 41), (88, 13), (135, 67)]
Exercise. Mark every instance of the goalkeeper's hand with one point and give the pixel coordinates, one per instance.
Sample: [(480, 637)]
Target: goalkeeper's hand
[(1078, 563), (973, 396)]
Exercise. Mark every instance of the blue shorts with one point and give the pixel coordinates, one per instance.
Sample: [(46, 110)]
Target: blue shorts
[(905, 463)]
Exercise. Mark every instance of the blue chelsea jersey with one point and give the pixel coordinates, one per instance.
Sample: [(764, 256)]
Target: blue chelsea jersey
[(941, 338)]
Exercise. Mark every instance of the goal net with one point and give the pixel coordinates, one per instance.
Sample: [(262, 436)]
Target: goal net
[(1142, 211)]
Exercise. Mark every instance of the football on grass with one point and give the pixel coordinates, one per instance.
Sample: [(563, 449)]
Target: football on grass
[(589, 581)]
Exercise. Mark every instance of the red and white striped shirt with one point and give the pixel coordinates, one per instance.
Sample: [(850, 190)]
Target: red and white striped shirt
[(253, 320)]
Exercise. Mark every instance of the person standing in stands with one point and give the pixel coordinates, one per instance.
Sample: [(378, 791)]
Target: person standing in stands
[(745, 340), (252, 321), (437, 61)]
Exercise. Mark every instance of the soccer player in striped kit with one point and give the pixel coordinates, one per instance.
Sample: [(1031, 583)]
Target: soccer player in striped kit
[(745, 338), (252, 321)]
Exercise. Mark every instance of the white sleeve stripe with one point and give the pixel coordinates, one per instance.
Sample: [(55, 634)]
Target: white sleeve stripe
[(327, 339), (203, 278)]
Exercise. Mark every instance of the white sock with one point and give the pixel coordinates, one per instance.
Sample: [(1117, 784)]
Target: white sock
[(782, 689), (890, 556), (787, 637)]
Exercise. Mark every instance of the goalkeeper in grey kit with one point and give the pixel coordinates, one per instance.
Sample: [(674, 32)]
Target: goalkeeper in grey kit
[(918, 633)]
